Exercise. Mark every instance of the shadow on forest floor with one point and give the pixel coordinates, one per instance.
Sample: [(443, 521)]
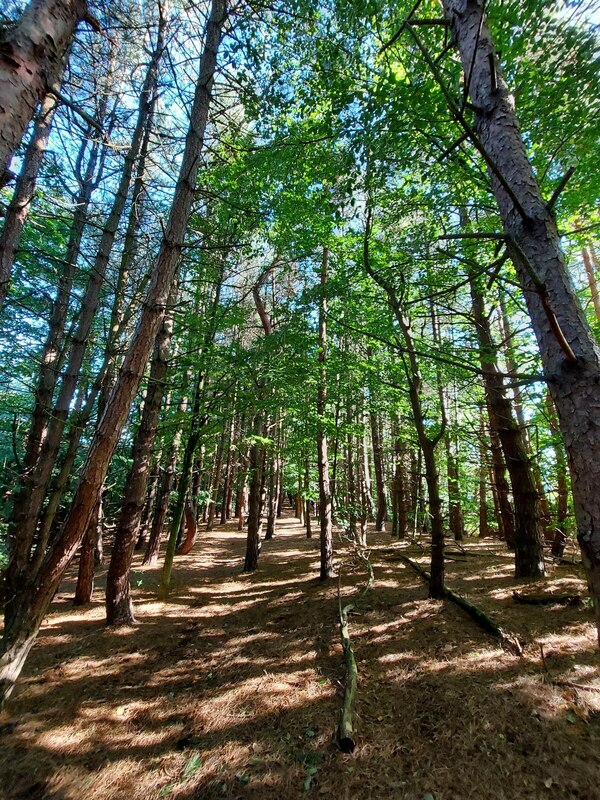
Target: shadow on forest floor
[(232, 688)]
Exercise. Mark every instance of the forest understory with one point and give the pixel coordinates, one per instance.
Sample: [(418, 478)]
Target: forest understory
[(233, 688)]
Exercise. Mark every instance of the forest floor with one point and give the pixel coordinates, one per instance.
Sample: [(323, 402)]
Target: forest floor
[(233, 688)]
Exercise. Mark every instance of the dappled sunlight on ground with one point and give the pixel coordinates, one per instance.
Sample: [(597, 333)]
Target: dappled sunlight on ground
[(232, 688)]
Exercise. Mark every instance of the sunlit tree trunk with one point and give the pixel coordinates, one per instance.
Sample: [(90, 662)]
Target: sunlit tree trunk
[(33, 52), (119, 608), (27, 608), (325, 518), (589, 261), (20, 204), (26, 514), (570, 354)]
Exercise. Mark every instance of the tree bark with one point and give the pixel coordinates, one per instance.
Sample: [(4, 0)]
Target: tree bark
[(589, 263), (570, 354), (325, 518), (376, 437), (31, 55), (399, 506), (254, 515), (85, 577), (119, 608), (24, 522), (27, 608), (20, 204), (529, 548)]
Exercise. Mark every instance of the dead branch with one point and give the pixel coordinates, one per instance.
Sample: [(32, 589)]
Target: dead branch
[(559, 189), (507, 640), (547, 599), (346, 739), (570, 685)]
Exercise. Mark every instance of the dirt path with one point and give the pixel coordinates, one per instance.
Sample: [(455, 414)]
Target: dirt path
[(233, 688)]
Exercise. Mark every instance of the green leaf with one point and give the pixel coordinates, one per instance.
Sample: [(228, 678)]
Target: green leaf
[(310, 774), (193, 765)]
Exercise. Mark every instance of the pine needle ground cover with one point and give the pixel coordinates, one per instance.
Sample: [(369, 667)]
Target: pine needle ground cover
[(232, 689)]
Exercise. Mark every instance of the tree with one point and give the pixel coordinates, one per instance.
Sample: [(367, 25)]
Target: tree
[(570, 353), (33, 51), (27, 608)]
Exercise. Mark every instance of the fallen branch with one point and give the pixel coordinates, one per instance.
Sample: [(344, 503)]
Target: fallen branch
[(569, 685), (547, 599), (507, 640), (346, 740)]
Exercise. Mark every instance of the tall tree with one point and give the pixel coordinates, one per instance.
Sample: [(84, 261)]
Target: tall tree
[(570, 353), (27, 607)]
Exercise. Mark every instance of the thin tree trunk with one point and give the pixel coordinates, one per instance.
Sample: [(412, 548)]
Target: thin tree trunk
[(529, 549), (589, 263), (52, 352), (228, 478), (254, 468), (511, 363), (216, 482), (307, 509), (428, 445), (273, 488), (325, 518), (483, 473), (20, 204), (119, 608), (381, 517), (400, 516), (454, 507), (87, 560), (25, 521)]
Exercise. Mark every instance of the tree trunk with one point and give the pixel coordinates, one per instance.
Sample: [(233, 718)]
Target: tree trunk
[(33, 52), (85, 576), (274, 479), (570, 354), (545, 514), (381, 517), (400, 515), (52, 353), (20, 204), (24, 615), (253, 538), (559, 540), (529, 548), (483, 473), (228, 479), (325, 519), (196, 424), (454, 507), (428, 445), (589, 263), (216, 483), (307, 509), (119, 608), (25, 520)]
